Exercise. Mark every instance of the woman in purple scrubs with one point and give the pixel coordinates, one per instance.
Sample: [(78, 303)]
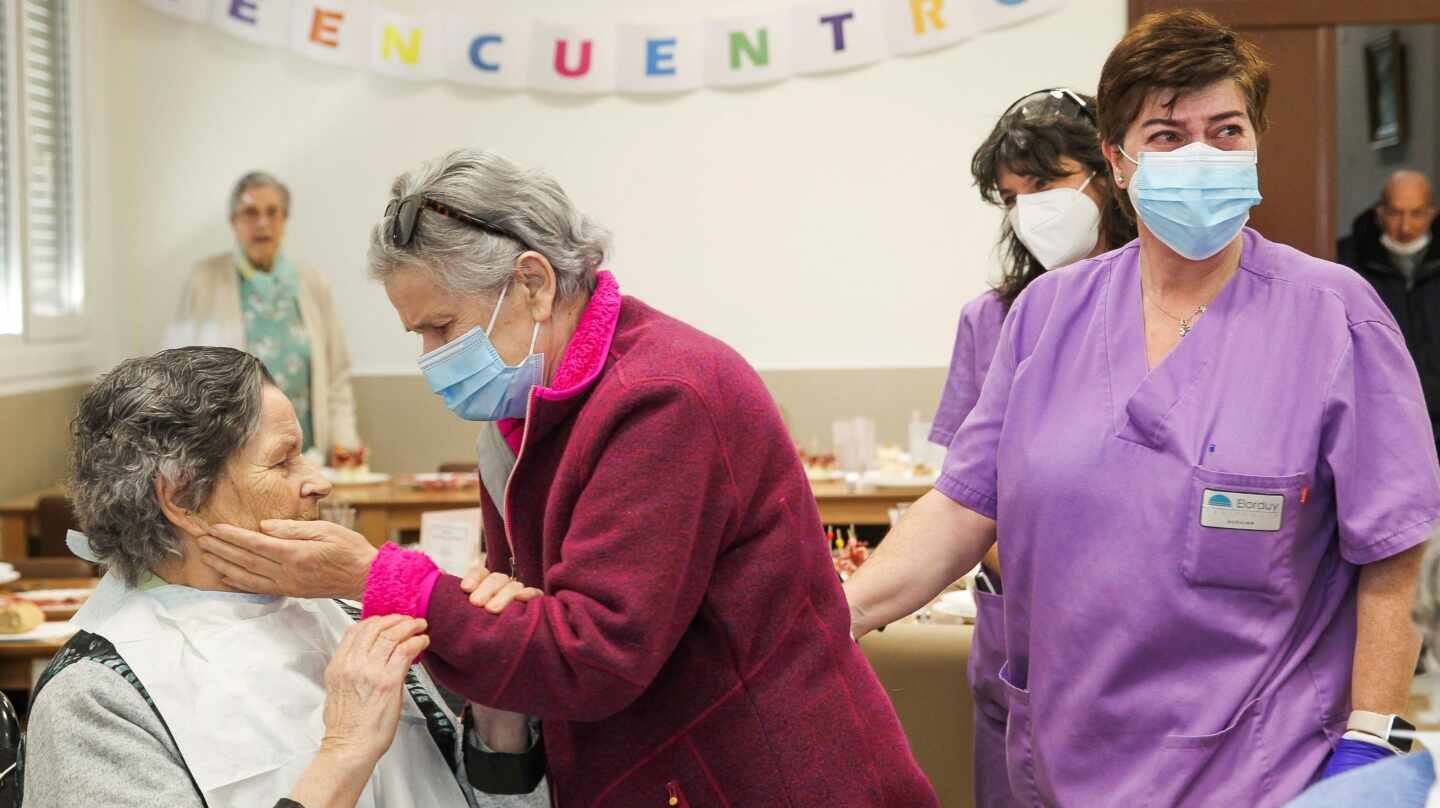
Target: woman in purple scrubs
[(1042, 163), (1208, 464)]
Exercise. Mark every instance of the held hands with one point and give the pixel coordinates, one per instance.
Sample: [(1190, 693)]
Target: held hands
[(302, 559), (365, 683), (493, 591)]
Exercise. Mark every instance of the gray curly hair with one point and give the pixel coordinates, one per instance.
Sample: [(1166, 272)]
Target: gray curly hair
[(469, 261), (179, 414), (259, 179)]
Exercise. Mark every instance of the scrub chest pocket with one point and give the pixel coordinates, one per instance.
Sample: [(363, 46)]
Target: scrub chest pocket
[(1240, 530)]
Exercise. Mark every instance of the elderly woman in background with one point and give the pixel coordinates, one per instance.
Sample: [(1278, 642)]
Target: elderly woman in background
[(179, 692), (255, 298), (692, 646)]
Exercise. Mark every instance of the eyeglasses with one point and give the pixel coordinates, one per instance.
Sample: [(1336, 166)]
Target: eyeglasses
[(1060, 101), (405, 213)]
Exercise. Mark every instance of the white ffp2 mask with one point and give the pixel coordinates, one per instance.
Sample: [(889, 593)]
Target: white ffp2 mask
[(1059, 226)]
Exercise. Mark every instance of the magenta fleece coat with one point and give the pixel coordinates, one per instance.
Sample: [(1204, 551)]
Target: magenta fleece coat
[(693, 643)]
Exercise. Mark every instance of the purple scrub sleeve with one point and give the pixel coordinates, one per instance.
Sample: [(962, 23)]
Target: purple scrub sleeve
[(975, 339)]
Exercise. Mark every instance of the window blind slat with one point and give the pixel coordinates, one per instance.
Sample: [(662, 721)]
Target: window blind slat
[(44, 96)]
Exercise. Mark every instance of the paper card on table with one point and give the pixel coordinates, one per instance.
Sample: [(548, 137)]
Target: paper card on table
[(916, 26), (576, 59), (451, 539), (188, 10), (404, 46), (741, 51), (836, 36), (659, 58), (992, 14), (334, 31), (487, 51), (265, 22)]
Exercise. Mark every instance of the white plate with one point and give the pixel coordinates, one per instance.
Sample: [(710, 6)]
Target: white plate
[(824, 475), (42, 632), (957, 604), (370, 478), (56, 594), (9, 576), (881, 479)]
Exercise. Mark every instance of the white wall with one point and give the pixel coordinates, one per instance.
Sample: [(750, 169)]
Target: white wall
[(1362, 169), (820, 222)]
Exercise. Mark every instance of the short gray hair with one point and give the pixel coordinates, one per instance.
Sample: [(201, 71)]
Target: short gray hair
[(180, 415), (259, 179), (467, 260)]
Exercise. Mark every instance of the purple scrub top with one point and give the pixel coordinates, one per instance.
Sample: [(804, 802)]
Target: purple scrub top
[(975, 341), (1179, 546)]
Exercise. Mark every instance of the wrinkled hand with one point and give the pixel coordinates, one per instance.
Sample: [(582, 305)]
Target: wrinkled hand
[(365, 685), (301, 559), (493, 591)]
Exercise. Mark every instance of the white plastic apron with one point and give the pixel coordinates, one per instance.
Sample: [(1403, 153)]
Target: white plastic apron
[(240, 681)]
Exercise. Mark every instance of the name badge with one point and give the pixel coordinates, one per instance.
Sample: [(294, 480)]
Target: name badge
[(1235, 510)]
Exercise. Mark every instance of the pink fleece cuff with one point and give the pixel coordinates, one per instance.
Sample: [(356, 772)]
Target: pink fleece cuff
[(400, 582)]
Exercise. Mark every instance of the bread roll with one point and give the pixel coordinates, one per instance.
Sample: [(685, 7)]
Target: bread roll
[(18, 616)]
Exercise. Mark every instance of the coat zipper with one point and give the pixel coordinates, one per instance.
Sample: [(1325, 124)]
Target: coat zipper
[(524, 433)]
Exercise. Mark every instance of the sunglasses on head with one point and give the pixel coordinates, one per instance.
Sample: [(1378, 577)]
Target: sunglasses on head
[(1060, 101), (404, 215)]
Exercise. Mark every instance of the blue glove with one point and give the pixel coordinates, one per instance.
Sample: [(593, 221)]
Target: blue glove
[(1352, 754)]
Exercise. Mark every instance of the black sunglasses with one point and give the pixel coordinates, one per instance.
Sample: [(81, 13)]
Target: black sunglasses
[(405, 213), (1060, 101)]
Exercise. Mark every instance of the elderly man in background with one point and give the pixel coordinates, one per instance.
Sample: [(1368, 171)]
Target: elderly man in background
[(255, 298), (1396, 247)]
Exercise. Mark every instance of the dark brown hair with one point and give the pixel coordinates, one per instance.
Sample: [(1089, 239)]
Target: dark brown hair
[(1034, 147), (1178, 51)]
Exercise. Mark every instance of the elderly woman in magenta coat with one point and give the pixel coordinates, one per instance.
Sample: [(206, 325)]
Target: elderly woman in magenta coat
[(692, 644)]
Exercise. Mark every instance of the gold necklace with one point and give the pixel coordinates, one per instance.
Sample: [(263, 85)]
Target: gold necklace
[(1187, 324)]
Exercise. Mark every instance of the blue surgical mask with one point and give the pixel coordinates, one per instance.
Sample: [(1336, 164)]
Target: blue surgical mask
[(1197, 198), (475, 382)]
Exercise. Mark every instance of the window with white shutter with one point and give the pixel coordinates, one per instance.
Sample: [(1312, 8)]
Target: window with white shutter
[(43, 174)]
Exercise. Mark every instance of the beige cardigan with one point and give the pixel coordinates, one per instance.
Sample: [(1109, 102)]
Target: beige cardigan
[(210, 315)]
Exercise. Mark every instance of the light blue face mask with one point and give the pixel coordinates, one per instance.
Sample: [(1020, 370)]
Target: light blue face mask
[(475, 382), (1197, 198)]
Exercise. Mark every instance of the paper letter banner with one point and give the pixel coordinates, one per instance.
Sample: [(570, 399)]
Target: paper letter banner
[(572, 58), (917, 26), (264, 22), (188, 10), (741, 51), (659, 58), (992, 14), (404, 46), (333, 31), (488, 52), (836, 35), (478, 49)]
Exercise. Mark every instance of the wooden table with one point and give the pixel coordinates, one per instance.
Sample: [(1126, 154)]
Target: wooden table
[(21, 663), (385, 509)]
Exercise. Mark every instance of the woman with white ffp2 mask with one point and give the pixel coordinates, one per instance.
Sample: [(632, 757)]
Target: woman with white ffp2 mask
[(1042, 163)]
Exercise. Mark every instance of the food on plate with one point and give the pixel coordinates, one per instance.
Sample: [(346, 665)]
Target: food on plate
[(350, 463), (848, 555), (819, 466), (18, 615)]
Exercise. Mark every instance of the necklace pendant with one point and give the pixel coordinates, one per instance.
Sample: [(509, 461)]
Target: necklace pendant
[(1184, 328)]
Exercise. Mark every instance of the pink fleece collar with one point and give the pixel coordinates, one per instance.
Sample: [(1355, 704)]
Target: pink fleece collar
[(589, 345), (584, 356)]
